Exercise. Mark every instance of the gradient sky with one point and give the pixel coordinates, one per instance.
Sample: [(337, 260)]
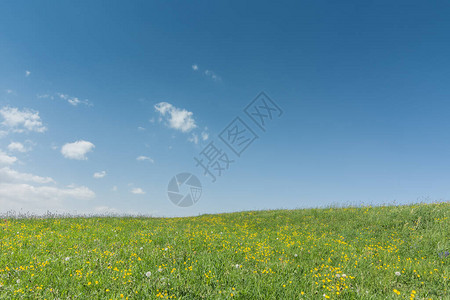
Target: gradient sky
[(364, 87)]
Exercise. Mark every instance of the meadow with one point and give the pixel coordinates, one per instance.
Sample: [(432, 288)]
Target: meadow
[(382, 252)]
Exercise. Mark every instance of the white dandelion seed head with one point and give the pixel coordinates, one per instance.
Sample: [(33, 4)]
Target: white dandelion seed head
[(397, 273), (141, 248), (343, 275), (67, 258), (338, 275), (295, 255), (148, 274)]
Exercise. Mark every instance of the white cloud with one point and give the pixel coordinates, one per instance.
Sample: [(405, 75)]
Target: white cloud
[(16, 146), (145, 158), (9, 91), (205, 135), (207, 73), (179, 119), (193, 138), (163, 107), (141, 128), (137, 191), (17, 196), (74, 100), (27, 73), (5, 159), (19, 191), (212, 75), (9, 175), (21, 121), (99, 174), (114, 188), (77, 150), (106, 210), (45, 96)]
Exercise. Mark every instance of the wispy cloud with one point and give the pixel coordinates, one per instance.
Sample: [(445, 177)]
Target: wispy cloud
[(144, 158), (5, 159), (16, 120), (27, 73), (212, 75), (17, 147), (45, 96), (205, 134), (106, 210), (193, 138), (177, 118), (24, 190), (208, 73), (75, 101), (137, 191), (77, 150), (9, 175), (99, 175), (39, 199)]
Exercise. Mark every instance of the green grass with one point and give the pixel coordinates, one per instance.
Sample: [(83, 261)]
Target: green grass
[(341, 253)]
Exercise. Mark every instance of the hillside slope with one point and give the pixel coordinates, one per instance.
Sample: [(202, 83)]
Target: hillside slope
[(390, 252)]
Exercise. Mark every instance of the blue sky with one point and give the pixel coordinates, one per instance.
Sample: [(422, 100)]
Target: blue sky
[(102, 103)]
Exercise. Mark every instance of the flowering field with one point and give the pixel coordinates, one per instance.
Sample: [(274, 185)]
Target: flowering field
[(337, 253)]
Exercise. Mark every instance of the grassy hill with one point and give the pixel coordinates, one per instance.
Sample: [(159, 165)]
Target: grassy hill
[(389, 252)]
